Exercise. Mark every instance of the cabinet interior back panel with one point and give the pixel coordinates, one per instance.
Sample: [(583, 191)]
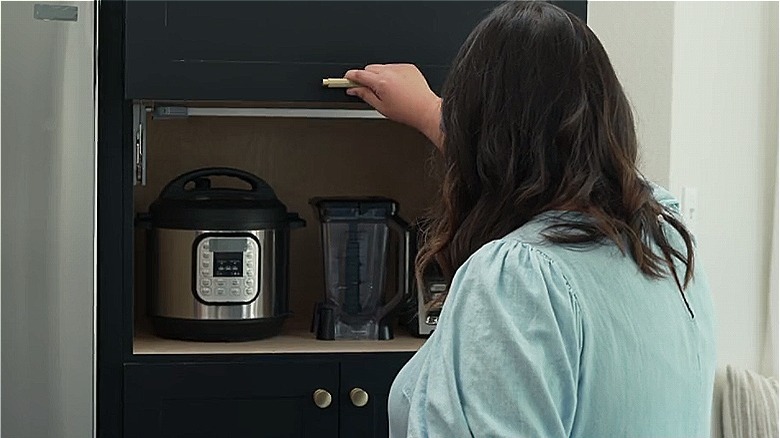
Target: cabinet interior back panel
[(300, 159)]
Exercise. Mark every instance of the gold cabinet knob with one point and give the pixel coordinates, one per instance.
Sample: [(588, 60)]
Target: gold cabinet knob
[(322, 398), (359, 397)]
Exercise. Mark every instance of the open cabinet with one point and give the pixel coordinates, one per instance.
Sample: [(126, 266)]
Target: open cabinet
[(273, 381), (300, 158), (167, 105)]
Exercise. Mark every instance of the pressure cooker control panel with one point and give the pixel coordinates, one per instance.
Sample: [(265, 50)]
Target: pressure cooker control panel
[(226, 269)]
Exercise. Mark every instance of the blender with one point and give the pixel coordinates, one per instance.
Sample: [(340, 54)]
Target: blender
[(355, 236)]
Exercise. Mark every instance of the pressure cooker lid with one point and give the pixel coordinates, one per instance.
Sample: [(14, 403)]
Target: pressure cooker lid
[(192, 201)]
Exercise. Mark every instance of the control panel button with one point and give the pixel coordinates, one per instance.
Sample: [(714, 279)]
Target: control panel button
[(235, 282), (248, 291), (249, 264), (205, 282), (220, 282), (220, 291), (250, 282), (206, 291), (235, 291), (205, 272)]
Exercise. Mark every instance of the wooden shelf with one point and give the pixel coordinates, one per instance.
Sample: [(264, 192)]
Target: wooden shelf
[(294, 339)]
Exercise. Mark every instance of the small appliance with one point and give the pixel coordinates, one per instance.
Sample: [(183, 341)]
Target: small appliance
[(420, 312), (355, 235), (426, 307), (218, 258)]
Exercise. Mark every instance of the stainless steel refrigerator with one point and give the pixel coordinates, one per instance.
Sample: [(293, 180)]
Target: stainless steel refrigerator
[(47, 180)]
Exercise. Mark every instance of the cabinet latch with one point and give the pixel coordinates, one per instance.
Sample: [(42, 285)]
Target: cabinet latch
[(139, 141)]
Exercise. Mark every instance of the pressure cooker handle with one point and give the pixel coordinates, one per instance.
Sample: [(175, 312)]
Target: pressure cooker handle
[(177, 186), (405, 268)]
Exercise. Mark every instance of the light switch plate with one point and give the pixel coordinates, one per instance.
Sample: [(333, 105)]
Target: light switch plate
[(690, 206)]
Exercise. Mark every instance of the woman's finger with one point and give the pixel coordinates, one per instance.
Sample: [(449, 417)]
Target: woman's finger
[(366, 94), (374, 67), (363, 77)]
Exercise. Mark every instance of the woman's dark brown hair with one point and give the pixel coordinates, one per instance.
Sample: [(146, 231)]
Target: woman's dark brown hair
[(535, 120)]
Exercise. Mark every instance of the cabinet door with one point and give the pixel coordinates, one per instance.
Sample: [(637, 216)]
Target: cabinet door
[(373, 374), (281, 50), (230, 400)]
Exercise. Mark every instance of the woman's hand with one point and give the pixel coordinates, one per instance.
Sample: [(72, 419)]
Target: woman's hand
[(400, 93)]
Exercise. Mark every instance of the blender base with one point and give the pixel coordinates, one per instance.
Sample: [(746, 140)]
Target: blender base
[(327, 328)]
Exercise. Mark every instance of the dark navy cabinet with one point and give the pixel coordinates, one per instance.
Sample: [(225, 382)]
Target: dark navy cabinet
[(195, 400), (270, 397), (375, 378), (279, 51)]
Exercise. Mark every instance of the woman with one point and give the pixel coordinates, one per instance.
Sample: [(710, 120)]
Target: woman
[(574, 307)]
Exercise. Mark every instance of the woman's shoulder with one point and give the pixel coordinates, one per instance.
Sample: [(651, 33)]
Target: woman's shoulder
[(524, 249), (532, 234), (526, 253), (517, 250), (513, 265)]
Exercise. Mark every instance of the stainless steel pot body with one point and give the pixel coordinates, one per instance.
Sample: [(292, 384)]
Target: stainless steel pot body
[(183, 263)]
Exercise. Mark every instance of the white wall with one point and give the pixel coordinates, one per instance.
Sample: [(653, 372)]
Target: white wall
[(724, 143), (702, 77), (638, 39)]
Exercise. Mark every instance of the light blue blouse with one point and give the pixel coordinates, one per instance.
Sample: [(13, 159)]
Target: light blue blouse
[(540, 340)]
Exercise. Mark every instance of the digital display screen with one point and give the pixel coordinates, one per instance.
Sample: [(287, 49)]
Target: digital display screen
[(227, 245), (228, 264)]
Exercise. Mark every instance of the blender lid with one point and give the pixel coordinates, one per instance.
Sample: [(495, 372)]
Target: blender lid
[(191, 202), (354, 208)]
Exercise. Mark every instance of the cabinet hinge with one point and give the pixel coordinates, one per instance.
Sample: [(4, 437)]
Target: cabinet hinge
[(139, 142)]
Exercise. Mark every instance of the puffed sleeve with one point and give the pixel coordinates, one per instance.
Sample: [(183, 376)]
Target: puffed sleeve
[(504, 359)]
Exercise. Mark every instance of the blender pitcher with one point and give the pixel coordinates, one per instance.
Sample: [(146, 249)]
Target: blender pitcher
[(355, 234)]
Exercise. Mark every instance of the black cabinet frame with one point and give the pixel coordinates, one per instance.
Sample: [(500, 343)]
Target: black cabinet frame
[(115, 248)]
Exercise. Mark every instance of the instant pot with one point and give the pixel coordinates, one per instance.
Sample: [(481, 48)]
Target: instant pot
[(218, 258)]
